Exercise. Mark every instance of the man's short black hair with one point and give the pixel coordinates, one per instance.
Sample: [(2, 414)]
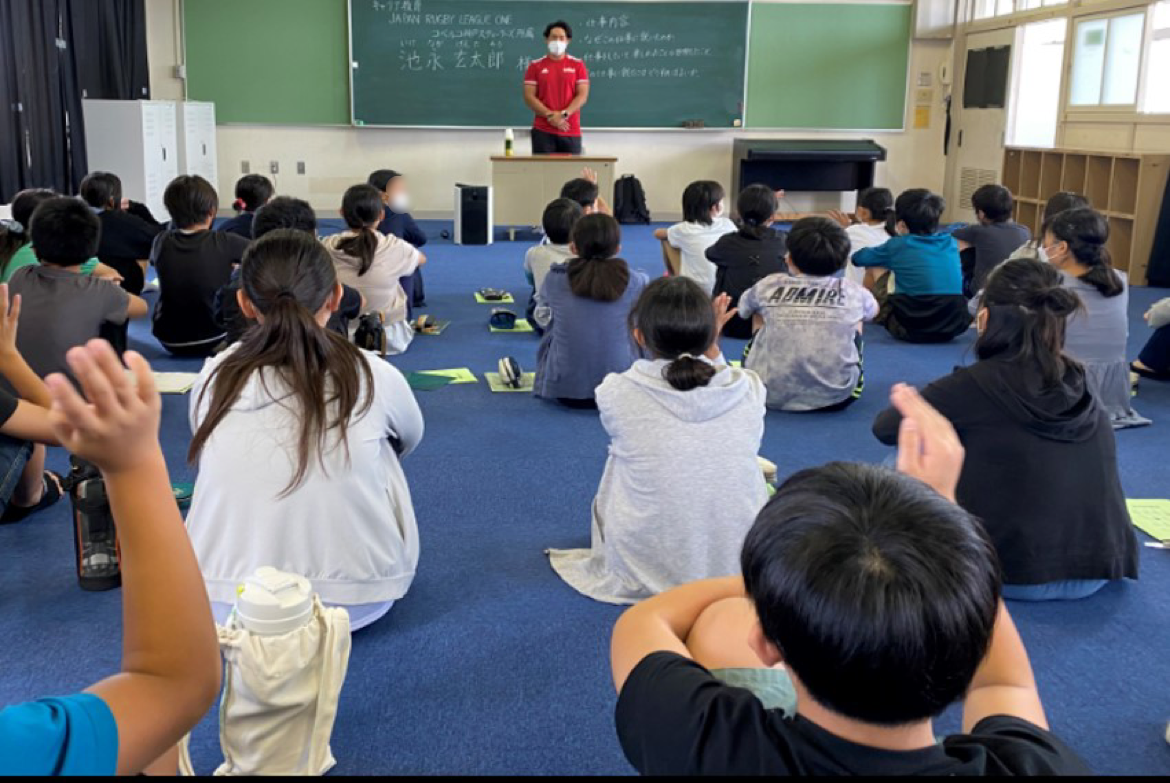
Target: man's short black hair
[(561, 23), (284, 212), (102, 190), (65, 232), (995, 202), (920, 210), (382, 178), (190, 200), (559, 218), (582, 191), (818, 246), (880, 594)]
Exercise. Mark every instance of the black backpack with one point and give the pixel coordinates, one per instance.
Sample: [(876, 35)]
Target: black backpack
[(371, 333), (629, 201)]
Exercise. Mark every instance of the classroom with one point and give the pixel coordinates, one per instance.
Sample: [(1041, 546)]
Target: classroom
[(598, 387)]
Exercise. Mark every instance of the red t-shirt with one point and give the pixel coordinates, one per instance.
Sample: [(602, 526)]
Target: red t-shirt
[(556, 85)]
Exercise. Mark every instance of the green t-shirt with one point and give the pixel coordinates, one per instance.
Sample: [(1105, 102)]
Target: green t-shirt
[(26, 257)]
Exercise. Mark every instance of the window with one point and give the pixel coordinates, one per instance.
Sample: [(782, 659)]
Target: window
[(1036, 99), (1106, 61), (1028, 5), (1158, 61), (986, 9)]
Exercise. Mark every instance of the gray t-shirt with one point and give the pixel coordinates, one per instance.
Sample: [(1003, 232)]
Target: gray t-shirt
[(807, 352), (61, 310), (993, 243)]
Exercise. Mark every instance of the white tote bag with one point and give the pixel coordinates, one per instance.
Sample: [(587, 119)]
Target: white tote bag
[(280, 696)]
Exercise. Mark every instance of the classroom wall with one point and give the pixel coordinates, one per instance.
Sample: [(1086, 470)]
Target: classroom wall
[(665, 161)]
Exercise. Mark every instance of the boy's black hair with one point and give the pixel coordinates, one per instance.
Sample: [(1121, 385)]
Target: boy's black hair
[(561, 23), (190, 200), (559, 218), (920, 210), (382, 178), (65, 232), (756, 206), (880, 594), (698, 200), (26, 202), (253, 191), (818, 246), (102, 190), (582, 191), (995, 202), (1066, 199), (284, 212)]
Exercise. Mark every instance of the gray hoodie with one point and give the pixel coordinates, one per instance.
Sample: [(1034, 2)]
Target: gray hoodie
[(681, 488)]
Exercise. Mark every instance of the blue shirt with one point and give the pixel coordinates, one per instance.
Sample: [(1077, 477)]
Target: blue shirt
[(922, 265), (403, 227), (73, 735)]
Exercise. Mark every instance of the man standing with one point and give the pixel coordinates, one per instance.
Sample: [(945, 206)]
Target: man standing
[(556, 87)]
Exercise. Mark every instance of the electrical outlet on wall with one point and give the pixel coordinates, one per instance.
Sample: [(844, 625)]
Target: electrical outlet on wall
[(245, 167), (301, 167), (274, 167)]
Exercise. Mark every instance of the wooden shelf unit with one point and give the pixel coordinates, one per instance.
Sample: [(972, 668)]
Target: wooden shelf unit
[(1126, 187)]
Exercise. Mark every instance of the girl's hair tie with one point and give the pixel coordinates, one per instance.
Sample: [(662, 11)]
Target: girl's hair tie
[(682, 356)]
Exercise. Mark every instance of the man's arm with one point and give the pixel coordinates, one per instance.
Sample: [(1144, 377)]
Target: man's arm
[(662, 623), (534, 103), (579, 99), (170, 654)]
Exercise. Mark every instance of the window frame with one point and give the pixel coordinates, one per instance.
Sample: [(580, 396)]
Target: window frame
[(1096, 110), (1144, 73)]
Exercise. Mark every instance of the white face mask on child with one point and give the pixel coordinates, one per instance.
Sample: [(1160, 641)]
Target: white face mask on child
[(557, 48), (400, 204)]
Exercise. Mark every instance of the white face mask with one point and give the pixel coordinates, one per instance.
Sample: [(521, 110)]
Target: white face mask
[(557, 48), (400, 204)]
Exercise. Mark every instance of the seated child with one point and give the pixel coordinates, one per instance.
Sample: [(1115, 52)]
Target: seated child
[(193, 263), (1074, 243), (869, 227), (1054, 206), (995, 237), (1154, 361), (808, 347), (704, 222), (927, 305), (170, 673), (869, 604), (558, 220), (252, 192), (126, 237), (744, 258), (299, 437), (62, 307), (682, 418), (398, 222), (589, 301), (374, 263), (1041, 469), (584, 191), (16, 250), (282, 212)]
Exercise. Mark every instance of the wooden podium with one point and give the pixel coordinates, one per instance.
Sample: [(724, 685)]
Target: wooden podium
[(523, 185)]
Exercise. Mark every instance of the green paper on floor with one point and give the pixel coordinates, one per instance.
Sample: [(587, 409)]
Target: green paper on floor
[(421, 381), (496, 383), (458, 375), (1152, 517), (506, 300), (736, 364), (522, 325)]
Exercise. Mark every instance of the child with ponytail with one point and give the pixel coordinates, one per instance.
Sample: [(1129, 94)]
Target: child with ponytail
[(682, 484), (748, 256), (252, 192), (1074, 242), (870, 226), (373, 263), (1041, 465), (587, 302), (299, 437)]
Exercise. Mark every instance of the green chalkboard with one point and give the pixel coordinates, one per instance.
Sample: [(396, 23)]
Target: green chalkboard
[(269, 61), (828, 65), (462, 62)]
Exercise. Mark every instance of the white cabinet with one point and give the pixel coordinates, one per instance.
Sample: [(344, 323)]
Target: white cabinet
[(197, 140), (138, 141)]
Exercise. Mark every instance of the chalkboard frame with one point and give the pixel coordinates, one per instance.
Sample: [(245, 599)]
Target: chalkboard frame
[(355, 123)]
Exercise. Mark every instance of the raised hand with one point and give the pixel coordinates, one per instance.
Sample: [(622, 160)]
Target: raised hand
[(841, 218), (929, 449)]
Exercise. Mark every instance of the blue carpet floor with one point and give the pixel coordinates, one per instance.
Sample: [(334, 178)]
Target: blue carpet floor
[(491, 665)]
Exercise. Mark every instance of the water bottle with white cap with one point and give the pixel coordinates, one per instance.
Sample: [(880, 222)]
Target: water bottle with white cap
[(273, 603)]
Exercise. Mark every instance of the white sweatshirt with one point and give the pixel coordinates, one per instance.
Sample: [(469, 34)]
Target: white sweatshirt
[(349, 528)]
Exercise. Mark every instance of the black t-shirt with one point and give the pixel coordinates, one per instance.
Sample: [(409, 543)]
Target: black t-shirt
[(232, 317), (8, 403), (126, 240), (675, 718), (191, 270), (742, 260)]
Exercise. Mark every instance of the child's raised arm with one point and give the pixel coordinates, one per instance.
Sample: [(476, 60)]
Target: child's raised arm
[(170, 657)]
